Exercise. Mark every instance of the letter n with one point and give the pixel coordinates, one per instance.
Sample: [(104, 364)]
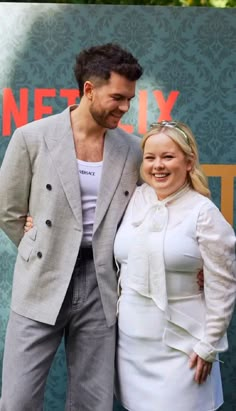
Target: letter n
[(12, 111)]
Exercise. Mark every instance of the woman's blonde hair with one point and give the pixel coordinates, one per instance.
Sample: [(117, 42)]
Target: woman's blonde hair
[(182, 135)]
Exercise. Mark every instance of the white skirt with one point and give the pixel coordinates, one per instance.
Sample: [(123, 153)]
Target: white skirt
[(152, 376)]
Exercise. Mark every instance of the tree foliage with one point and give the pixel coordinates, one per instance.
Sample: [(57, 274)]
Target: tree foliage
[(183, 3)]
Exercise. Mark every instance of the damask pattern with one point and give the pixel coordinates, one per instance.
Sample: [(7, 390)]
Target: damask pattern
[(191, 50)]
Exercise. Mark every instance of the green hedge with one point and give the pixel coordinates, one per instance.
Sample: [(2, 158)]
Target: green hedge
[(184, 3)]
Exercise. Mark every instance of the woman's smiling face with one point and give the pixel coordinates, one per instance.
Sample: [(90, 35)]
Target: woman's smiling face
[(165, 166)]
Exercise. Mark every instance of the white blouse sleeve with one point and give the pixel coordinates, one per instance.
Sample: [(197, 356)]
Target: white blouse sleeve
[(216, 240)]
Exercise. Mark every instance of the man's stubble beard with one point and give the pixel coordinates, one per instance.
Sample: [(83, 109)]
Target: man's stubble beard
[(101, 119)]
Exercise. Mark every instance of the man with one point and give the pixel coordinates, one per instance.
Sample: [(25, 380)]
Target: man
[(74, 173)]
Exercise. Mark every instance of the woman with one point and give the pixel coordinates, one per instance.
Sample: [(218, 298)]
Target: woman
[(170, 333)]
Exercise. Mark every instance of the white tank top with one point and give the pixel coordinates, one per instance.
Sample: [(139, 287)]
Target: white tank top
[(89, 177)]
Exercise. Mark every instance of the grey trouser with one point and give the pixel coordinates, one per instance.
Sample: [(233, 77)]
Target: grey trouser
[(90, 348)]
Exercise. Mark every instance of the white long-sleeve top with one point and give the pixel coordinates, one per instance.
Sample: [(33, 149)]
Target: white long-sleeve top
[(161, 246)]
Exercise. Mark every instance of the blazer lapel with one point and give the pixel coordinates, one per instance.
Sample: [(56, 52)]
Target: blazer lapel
[(62, 151), (115, 154)]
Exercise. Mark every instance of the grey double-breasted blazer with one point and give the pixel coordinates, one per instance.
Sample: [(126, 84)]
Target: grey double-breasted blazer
[(39, 176)]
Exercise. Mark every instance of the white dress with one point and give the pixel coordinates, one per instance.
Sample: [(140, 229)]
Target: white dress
[(163, 317)]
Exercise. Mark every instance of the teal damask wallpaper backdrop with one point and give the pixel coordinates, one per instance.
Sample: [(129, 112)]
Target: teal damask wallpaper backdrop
[(189, 57)]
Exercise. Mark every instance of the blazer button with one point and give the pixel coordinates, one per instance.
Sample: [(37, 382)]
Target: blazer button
[(49, 223), (126, 193), (39, 254), (48, 187)]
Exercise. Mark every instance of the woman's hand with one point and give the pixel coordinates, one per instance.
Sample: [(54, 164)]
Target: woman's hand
[(203, 368), (28, 223)]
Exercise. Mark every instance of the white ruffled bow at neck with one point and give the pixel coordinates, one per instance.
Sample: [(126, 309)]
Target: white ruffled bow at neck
[(145, 266)]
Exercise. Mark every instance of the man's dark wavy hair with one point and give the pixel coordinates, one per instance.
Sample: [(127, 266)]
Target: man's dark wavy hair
[(99, 61)]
